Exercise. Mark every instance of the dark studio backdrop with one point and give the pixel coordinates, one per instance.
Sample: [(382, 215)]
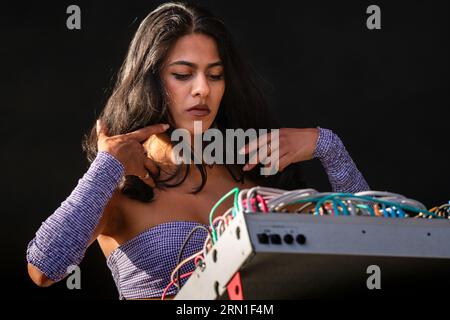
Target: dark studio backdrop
[(384, 92)]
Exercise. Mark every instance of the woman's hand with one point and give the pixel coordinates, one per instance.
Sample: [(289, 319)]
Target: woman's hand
[(128, 149), (294, 145)]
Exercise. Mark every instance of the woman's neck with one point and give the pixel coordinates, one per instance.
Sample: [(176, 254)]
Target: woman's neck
[(160, 149)]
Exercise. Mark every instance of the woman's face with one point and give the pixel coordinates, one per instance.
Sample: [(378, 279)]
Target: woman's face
[(193, 75)]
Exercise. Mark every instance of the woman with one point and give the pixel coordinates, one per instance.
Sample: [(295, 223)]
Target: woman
[(180, 57)]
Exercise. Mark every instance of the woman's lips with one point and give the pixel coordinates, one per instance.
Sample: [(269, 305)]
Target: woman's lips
[(199, 112)]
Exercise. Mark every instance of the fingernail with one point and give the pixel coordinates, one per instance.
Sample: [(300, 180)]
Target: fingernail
[(166, 126)]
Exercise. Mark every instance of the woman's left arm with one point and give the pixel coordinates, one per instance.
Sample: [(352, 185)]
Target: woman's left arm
[(342, 172), (297, 145)]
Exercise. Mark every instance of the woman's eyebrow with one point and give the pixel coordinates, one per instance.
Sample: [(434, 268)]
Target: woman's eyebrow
[(193, 65)]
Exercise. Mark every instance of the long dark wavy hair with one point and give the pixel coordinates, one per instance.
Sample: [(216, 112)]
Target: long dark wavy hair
[(139, 98)]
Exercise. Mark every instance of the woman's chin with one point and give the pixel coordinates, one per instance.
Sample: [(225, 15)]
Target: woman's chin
[(202, 127)]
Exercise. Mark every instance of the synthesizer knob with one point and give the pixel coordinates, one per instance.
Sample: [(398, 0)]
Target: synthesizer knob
[(263, 238), (275, 239), (301, 239), (288, 238)]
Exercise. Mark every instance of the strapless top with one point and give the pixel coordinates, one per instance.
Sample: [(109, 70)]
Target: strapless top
[(141, 266)]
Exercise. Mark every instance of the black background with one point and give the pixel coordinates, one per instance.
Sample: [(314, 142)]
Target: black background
[(384, 92)]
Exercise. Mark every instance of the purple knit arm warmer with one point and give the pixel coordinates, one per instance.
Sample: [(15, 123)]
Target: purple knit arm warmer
[(339, 166), (63, 238)]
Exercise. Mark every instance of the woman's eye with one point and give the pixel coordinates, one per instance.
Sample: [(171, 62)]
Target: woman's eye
[(216, 77), (181, 76), (186, 76)]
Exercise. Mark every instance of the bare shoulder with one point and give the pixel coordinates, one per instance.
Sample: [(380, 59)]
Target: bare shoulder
[(108, 220), (122, 219)]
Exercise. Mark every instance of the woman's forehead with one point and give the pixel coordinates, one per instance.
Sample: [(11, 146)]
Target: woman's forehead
[(197, 49)]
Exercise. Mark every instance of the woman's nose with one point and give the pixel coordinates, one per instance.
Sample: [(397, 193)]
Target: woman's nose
[(200, 86)]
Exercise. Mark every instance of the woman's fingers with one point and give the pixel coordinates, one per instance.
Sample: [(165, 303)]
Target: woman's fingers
[(151, 170), (129, 151), (259, 155), (151, 166), (147, 178), (284, 162), (143, 134), (257, 143), (100, 129), (139, 135)]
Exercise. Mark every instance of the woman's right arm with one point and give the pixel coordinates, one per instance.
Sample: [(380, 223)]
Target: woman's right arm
[(63, 238)]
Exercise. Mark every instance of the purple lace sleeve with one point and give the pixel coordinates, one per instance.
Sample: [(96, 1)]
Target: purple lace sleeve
[(339, 166), (63, 238)]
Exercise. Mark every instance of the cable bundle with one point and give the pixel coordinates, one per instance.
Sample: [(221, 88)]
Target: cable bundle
[(304, 201), (442, 211), (215, 230), (310, 201)]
